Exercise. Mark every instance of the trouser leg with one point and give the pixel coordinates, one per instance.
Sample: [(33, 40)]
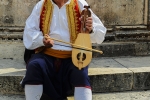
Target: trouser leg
[(41, 70)]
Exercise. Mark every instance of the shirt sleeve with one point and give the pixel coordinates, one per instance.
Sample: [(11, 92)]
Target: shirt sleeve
[(99, 30), (33, 37)]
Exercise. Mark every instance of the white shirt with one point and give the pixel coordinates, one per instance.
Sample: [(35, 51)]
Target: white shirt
[(33, 37)]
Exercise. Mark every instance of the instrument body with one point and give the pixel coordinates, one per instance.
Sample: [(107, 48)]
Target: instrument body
[(82, 58)]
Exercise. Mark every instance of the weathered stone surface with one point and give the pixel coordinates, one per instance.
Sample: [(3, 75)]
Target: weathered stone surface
[(148, 49), (108, 75), (141, 81), (140, 66), (149, 12), (132, 35), (11, 50), (11, 74), (119, 12), (115, 49), (9, 67), (142, 48), (130, 95), (14, 49), (105, 75), (11, 33), (15, 12), (135, 64), (10, 85), (112, 13), (112, 82)]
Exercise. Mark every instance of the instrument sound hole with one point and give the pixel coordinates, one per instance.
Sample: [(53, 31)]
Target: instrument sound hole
[(83, 57)]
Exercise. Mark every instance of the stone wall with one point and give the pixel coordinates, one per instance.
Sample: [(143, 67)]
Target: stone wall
[(119, 16), (119, 12), (15, 12), (111, 12), (126, 20)]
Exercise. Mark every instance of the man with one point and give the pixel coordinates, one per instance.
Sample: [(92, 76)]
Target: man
[(50, 71)]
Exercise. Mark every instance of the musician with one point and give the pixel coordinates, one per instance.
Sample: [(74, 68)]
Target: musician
[(51, 70)]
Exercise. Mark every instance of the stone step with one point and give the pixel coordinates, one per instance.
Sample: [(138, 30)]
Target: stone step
[(116, 74), (130, 95), (15, 49)]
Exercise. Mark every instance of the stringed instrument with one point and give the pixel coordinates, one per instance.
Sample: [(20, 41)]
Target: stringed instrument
[(82, 48), (82, 58)]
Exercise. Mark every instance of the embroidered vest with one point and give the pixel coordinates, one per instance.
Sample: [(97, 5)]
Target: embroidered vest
[(73, 14)]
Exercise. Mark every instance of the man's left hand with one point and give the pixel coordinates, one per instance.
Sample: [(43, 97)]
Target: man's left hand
[(89, 23)]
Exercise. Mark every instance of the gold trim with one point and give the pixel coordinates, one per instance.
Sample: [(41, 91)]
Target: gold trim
[(45, 20), (47, 17), (57, 53), (72, 20)]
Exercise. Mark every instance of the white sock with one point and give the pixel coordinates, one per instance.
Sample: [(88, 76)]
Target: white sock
[(82, 93), (33, 92)]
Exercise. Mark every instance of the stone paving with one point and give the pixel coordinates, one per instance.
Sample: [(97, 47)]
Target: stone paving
[(107, 74), (130, 95)]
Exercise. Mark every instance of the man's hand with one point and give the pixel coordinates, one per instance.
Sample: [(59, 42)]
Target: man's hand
[(48, 42), (88, 23)]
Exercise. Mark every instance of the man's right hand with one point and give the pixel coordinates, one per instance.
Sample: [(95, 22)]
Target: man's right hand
[(48, 42)]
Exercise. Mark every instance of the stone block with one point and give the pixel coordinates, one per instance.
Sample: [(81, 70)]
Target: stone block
[(15, 12), (11, 85), (141, 81), (119, 12), (11, 50), (111, 82), (140, 66), (114, 49), (108, 75), (141, 48)]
